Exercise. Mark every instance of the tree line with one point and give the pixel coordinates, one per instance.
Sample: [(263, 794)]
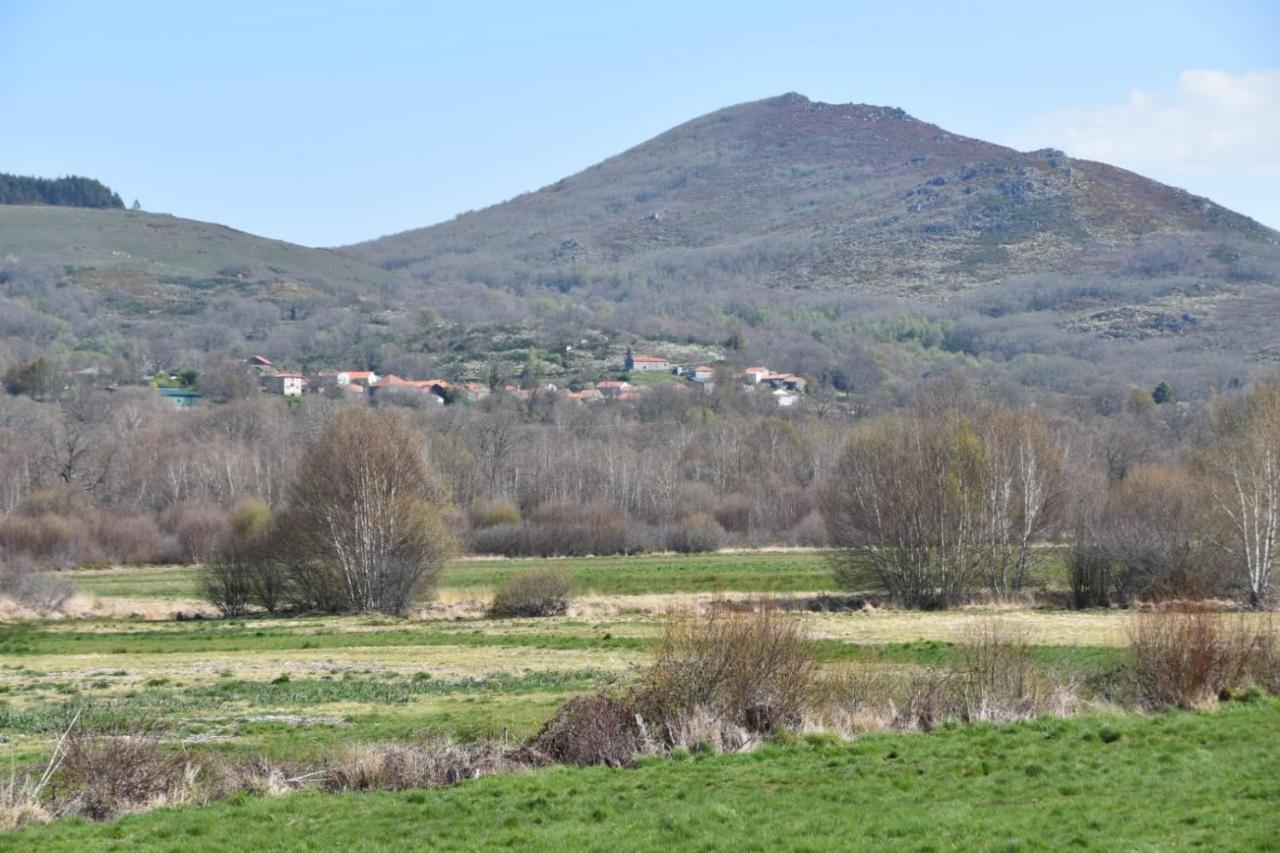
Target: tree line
[(71, 191), (935, 497)]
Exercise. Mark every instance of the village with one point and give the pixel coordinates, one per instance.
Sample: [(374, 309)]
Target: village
[(787, 389)]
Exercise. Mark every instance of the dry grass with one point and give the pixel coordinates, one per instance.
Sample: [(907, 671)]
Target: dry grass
[(749, 668), (1193, 658), (994, 678)]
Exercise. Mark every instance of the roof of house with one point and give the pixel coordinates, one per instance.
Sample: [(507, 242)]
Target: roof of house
[(260, 359), (704, 367), (613, 383), (763, 370), (288, 374), (649, 358)]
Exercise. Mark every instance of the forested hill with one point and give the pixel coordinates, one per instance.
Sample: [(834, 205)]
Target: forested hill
[(71, 191)]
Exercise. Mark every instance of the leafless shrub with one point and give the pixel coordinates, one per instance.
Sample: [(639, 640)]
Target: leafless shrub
[(697, 534), (994, 677), (1000, 679), (753, 669), (128, 539), (533, 593), (25, 583), (199, 528), (590, 730), (494, 513), (1192, 658), (112, 772), (399, 767)]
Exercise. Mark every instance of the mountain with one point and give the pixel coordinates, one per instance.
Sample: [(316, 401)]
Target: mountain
[(851, 243), (787, 192)]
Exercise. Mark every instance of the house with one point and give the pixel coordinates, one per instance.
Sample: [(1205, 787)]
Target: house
[(259, 361), (786, 382), (646, 363), (703, 373), (349, 377), (181, 398), (284, 383), (475, 391), (586, 395), (755, 375), (785, 398), (612, 388)]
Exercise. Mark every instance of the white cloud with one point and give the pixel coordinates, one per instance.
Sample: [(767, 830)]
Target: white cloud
[(1215, 133)]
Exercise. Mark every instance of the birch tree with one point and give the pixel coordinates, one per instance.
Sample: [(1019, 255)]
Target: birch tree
[(1242, 471)]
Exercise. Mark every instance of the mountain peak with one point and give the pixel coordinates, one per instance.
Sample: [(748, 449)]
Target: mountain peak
[(791, 192)]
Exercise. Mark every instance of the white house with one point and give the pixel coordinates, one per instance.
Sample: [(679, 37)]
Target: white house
[(286, 384), (703, 373), (647, 363)]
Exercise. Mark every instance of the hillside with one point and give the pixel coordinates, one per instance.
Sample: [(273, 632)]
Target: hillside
[(788, 192), (855, 241), (150, 286)]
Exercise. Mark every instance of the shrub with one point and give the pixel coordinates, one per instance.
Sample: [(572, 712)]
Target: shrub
[(751, 668), (998, 677), (589, 730), (1190, 659), (533, 593), (699, 533), (199, 528), (494, 513), (733, 512), (399, 767), (105, 774), (22, 581), (128, 539)]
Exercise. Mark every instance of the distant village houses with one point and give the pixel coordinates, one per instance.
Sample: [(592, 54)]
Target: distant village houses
[(645, 363)]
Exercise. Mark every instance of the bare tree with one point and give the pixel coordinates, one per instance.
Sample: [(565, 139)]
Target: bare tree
[(366, 513), (900, 508), (1242, 468)]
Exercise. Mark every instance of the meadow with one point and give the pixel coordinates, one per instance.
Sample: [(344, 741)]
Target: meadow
[(299, 688)]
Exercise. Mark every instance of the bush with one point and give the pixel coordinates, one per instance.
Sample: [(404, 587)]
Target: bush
[(495, 513), (398, 767), (697, 534), (589, 730), (752, 668), (113, 772), (129, 539), (1190, 659), (37, 590), (533, 593), (246, 568), (199, 528)]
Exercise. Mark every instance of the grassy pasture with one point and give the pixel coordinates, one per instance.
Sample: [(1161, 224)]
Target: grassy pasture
[(1172, 781), (297, 688), (767, 571)]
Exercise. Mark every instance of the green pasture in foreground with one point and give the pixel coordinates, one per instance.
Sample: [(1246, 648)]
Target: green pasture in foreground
[(1178, 780)]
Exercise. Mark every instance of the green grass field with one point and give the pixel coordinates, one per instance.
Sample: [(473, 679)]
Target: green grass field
[(1207, 780), (781, 571)]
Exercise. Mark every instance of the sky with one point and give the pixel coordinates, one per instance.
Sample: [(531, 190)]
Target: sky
[(328, 123)]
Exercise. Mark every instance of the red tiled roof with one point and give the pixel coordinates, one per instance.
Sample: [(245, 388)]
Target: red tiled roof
[(652, 359)]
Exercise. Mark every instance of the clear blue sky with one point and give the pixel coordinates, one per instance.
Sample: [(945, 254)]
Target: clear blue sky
[(327, 123)]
